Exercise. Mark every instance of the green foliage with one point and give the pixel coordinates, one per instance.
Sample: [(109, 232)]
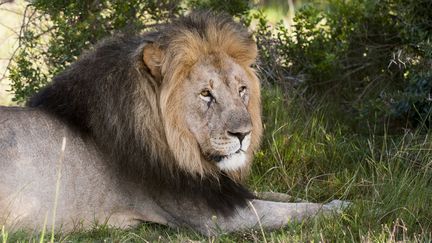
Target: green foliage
[(371, 56), (58, 31), (236, 8)]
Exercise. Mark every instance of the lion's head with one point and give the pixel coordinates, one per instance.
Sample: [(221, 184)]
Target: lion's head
[(178, 108), (210, 95)]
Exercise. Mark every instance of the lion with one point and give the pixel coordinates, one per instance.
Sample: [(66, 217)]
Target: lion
[(160, 127)]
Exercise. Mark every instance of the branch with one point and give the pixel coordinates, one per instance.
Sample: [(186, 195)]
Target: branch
[(10, 10), (23, 27), (9, 28)]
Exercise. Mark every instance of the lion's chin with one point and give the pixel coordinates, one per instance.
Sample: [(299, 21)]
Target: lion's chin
[(232, 162)]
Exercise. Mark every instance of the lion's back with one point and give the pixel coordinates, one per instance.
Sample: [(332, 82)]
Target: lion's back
[(30, 134)]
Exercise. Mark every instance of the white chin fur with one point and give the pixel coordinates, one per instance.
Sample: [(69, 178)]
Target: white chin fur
[(232, 162)]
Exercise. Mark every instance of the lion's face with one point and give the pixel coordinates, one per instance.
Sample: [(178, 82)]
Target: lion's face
[(212, 116), (209, 96), (216, 97)]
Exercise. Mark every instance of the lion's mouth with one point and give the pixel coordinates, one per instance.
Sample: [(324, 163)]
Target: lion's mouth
[(219, 158)]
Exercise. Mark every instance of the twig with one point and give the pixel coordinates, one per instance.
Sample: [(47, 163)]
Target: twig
[(9, 28), (44, 32), (23, 26), (10, 11), (4, 40)]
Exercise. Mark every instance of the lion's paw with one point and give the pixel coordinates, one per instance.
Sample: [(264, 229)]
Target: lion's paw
[(337, 206)]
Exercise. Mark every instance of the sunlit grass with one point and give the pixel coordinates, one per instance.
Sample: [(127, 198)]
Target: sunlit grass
[(388, 178)]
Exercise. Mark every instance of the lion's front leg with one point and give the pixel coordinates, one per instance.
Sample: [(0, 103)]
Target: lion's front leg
[(266, 215), (277, 197)]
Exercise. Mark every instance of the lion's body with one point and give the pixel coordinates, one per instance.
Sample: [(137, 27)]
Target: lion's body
[(135, 117), (30, 155), (161, 127), (90, 192)]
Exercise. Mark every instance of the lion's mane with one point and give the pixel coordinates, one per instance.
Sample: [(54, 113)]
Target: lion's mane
[(110, 95)]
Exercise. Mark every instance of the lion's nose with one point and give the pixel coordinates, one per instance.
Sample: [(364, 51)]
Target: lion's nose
[(239, 135)]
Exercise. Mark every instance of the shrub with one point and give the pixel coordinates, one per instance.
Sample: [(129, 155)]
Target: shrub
[(371, 57)]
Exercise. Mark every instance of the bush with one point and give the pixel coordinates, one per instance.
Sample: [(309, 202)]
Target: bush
[(370, 57)]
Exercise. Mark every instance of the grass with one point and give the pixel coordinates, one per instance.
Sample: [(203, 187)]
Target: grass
[(306, 154), (388, 178)]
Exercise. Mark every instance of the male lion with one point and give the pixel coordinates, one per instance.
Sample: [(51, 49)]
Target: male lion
[(160, 127)]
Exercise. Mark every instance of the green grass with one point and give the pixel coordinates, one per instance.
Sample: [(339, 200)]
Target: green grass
[(309, 155)]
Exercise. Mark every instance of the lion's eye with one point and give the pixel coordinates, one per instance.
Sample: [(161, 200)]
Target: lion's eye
[(242, 91), (206, 95)]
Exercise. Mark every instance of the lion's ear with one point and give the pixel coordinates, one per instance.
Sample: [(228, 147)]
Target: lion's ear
[(152, 56)]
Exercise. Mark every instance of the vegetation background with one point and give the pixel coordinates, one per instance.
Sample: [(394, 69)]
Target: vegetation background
[(347, 103)]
